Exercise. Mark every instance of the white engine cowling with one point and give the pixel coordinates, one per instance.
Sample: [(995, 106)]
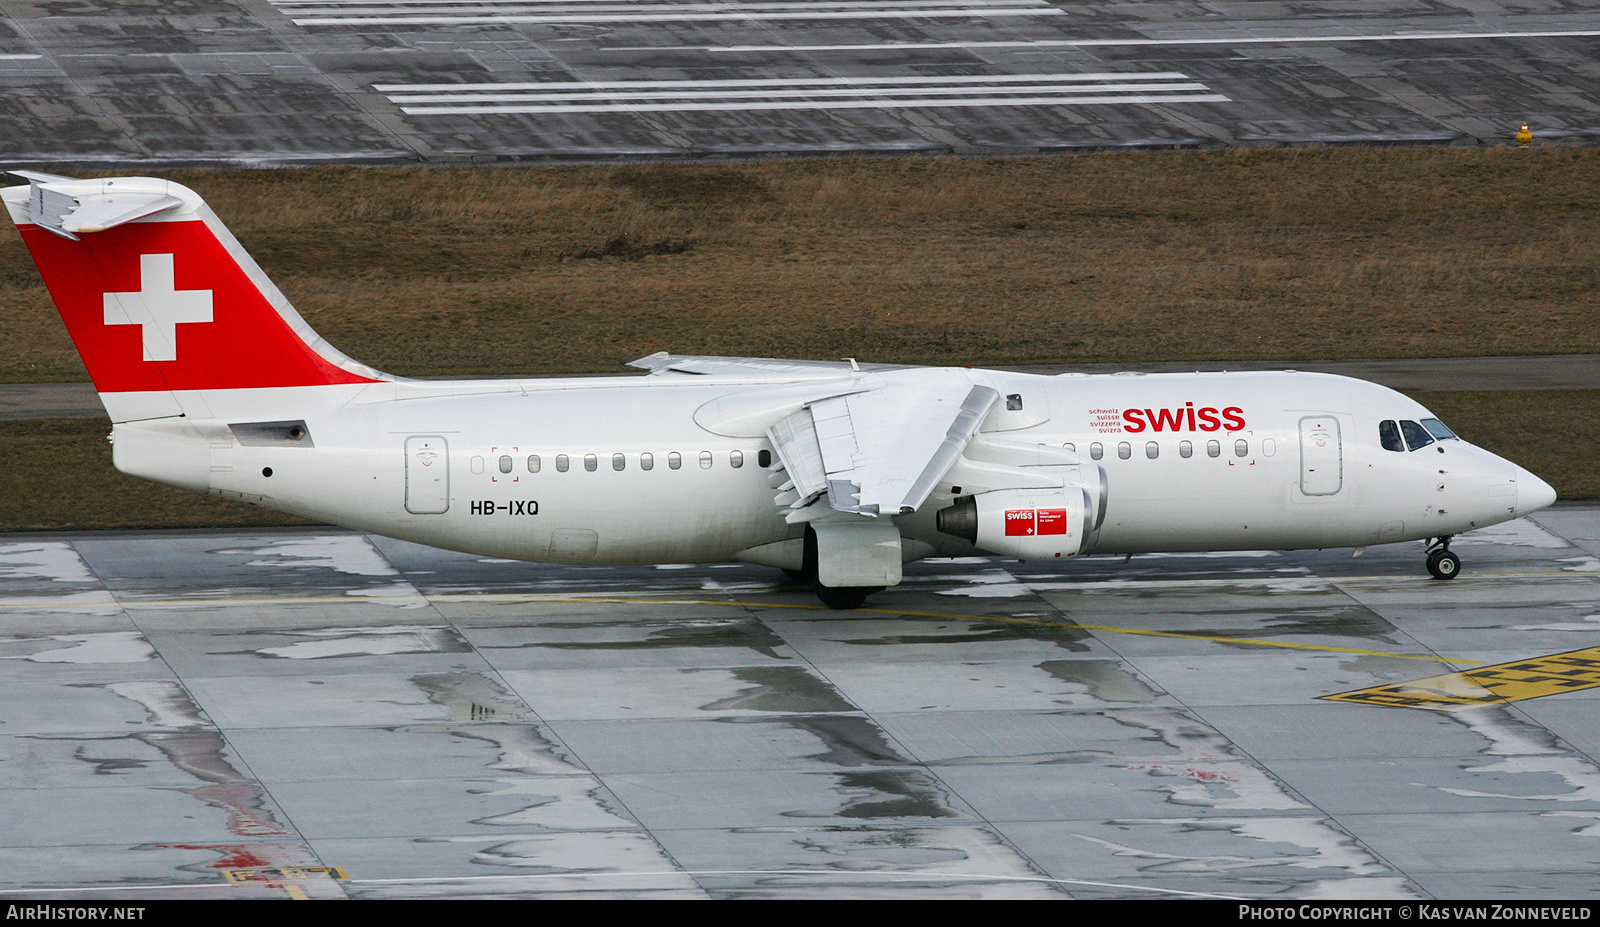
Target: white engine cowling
[(1029, 524)]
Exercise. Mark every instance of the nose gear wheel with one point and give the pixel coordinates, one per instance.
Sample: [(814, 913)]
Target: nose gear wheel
[(1442, 562)]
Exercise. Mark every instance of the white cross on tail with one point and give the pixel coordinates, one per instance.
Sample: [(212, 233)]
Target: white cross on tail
[(159, 307)]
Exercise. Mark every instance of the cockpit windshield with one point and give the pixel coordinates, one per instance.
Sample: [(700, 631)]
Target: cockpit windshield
[(1403, 435), (1437, 428), (1416, 435)]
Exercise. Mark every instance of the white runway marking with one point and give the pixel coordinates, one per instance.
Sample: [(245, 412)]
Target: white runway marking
[(559, 12), (812, 94), (1134, 42)]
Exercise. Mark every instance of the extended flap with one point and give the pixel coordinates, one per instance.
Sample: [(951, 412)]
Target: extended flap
[(883, 449)]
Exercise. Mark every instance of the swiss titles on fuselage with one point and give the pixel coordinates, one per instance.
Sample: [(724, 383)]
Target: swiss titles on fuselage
[(1187, 418)]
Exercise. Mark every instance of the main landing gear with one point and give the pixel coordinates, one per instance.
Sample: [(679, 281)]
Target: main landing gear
[(840, 598), (1442, 563), (844, 598)]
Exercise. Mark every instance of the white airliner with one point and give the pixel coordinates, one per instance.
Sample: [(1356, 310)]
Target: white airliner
[(837, 472)]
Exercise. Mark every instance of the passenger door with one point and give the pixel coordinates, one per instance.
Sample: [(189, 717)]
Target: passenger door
[(1321, 456), (427, 475)]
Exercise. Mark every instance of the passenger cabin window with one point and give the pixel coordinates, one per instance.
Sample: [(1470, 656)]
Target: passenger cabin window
[(619, 461), (705, 460), (1269, 447), (591, 462), (674, 460), (1241, 448), (1124, 450), (647, 461), (1389, 436), (505, 463), (1213, 449), (764, 458), (477, 464), (1185, 449), (533, 463), (562, 463), (1416, 435), (1071, 447), (1152, 450), (1096, 451), (736, 459)]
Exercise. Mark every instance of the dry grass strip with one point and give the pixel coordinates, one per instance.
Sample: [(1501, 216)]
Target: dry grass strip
[(1279, 254)]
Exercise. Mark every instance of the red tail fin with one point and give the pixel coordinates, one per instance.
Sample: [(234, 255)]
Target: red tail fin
[(159, 296)]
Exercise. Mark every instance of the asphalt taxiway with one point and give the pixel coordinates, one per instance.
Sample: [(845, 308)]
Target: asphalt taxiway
[(297, 81), (311, 713)]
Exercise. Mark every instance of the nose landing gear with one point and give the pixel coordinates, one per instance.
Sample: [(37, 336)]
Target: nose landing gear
[(1442, 563)]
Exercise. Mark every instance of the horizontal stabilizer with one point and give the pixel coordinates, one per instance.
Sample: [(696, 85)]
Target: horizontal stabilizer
[(39, 176), (69, 207), (101, 214)]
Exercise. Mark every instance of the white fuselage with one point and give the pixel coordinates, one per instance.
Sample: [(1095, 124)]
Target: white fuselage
[(1296, 463), (837, 473)]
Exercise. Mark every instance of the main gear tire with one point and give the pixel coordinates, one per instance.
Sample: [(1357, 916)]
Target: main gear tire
[(1444, 564), (844, 598)]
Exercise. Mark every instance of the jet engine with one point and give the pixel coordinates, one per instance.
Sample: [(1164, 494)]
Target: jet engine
[(1029, 524)]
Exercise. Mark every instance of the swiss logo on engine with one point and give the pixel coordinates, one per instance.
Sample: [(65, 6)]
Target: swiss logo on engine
[(1021, 522), (1030, 522)]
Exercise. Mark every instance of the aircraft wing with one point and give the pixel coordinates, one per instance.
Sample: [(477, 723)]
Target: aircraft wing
[(880, 450), (664, 363)]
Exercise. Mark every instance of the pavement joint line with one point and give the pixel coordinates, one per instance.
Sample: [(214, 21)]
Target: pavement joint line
[(737, 603), (903, 876), (509, 597)]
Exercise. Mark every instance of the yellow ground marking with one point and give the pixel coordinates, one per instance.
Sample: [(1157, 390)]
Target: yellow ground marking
[(284, 874), (1500, 684)]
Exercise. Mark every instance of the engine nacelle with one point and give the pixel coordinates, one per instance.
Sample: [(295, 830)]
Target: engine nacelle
[(1029, 524)]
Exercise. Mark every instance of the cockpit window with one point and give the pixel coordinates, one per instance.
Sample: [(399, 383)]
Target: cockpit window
[(1389, 434), (1437, 428), (1416, 435)]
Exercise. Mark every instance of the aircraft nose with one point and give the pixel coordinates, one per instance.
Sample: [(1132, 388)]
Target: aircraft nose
[(1533, 493)]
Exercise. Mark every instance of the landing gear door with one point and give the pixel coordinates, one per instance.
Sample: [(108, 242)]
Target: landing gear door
[(427, 475), (856, 552), (1321, 456)]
